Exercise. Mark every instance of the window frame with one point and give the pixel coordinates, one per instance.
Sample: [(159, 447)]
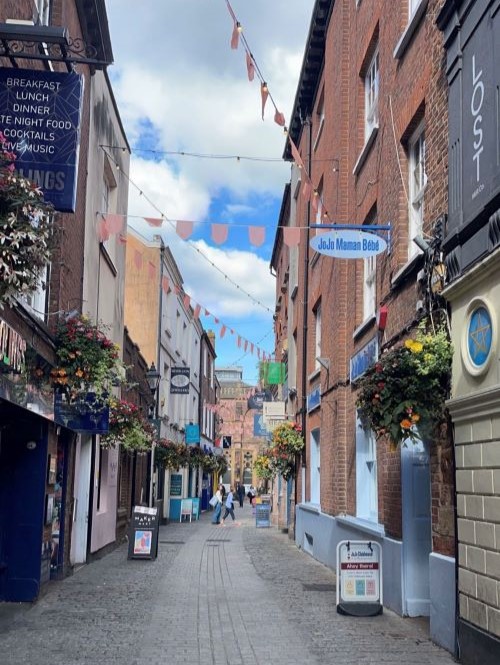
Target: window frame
[(372, 88), (317, 336), (366, 475), (416, 197)]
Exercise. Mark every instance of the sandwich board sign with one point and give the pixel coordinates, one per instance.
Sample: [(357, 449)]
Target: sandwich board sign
[(359, 578)]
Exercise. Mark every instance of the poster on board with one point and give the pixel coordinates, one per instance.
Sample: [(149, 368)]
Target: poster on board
[(359, 578)]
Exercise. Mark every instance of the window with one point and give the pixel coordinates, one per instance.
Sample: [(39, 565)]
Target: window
[(369, 287), (366, 474), (320, 114), (37, 301), (319, 203), (43, 9), (412, 8), (317, 337), (315, 467), (418, 181), (371, 95)]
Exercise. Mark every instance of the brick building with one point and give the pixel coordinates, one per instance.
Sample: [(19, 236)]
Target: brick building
[(47, 468), (370, 124)]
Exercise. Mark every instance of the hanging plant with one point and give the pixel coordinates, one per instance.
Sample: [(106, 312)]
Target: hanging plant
[(280, 458), (171, 455), (196, 456), (128, 428), (209, 463), (89, 362), (222, 465), (403, 395), (25, 231), (262, 466)]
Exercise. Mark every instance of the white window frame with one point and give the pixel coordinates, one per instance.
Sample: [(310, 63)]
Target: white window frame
[(36, 302), (43, 10), (372, 80), (413, 5), (321, 119), (369, 287), (315, 464), (366, 474), (416, 190), (317, 337)]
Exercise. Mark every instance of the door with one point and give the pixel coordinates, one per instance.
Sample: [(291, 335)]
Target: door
[(81, 500), (417, 542), (23, 464)]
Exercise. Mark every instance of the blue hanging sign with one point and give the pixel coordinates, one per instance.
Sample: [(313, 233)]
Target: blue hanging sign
[(192, 434), (348, 244), (364, 358), (40, 121)]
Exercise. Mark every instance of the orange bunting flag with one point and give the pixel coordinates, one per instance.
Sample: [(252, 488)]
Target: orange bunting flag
[(279, 118), (264, 93), (295, 154), (291, 236), (122, 238), (102, 231), (222, 331), (154, 221), (219, 233), (164, 284), (151, 270), (256, 235), (138, 259), (187, 301), (245, 347), (250, 67), (307, 190), (114, 223), (239, 341), (184, 229), (235, 37), (197, 311)]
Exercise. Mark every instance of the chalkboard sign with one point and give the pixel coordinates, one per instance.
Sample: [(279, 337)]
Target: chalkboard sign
[(176, 484), (143, 538), (263, 515)]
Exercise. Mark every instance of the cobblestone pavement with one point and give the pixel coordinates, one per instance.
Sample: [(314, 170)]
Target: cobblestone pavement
[(232, 595)]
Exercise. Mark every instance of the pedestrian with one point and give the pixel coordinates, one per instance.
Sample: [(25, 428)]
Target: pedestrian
[(218, 506), (240, 491), (229, 506), (251, 494)]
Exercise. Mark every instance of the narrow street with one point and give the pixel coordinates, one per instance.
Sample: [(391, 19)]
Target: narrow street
[(215, 595)]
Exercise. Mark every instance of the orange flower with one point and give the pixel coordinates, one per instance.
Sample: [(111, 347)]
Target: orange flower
[(79, 373), (415, 418), (405, 424)]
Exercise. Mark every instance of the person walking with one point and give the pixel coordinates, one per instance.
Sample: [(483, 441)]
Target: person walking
[(240, 491), (251, 494), (218, 506), (229, 506)]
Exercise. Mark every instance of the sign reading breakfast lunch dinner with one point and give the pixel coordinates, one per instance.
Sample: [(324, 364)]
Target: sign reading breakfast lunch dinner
[(40, 123), (348, 244)]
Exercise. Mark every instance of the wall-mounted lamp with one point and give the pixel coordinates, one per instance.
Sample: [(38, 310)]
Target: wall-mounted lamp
[(421, 243)]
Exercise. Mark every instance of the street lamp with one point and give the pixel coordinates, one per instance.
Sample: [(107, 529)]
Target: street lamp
[(153, 378)]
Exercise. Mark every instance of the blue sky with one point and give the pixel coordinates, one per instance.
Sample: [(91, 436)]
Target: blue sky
[(180, 87)]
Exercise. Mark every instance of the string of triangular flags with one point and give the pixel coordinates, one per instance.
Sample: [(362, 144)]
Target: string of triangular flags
[(114, 224), (309, 192)]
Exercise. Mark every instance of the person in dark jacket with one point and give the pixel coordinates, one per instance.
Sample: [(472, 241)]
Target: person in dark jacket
[(240, 491)]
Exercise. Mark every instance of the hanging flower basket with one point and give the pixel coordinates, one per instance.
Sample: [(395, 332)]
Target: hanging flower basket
[(403, 395), (280, 458), (262, 467), (171, 455), (89, 362), (25, 231), (128, 428)]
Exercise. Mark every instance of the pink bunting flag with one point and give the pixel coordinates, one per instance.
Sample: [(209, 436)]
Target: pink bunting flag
[(295, 153), (184, 229), (315, 201), (307, 189), (231, 331), (216, 320), (138, 259), (279, 118), (207, 313), (122, 238), (151, 270), (219, 233), (222, 331), (187, 301), (164, 284), (235, 37), (291, 236), (245, 347), (239, 341), (250, 67), (258, 353), (264, 93), (114, 223), (177, 289), (251, 348), (102, 231), (256, 235), (154, 221), (197, 311)]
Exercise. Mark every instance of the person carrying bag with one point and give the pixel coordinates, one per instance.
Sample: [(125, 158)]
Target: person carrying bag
[(216, 502)]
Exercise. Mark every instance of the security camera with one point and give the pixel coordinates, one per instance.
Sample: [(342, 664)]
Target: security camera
[(421, 243)]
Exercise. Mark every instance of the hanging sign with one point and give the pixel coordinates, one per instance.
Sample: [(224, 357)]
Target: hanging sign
[(348, 244), (192, 434), (359, 578), (179, 381), (40, 121)]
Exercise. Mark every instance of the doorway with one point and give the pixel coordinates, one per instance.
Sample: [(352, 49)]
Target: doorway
[(81, 500), (23, 462), (417, 538)]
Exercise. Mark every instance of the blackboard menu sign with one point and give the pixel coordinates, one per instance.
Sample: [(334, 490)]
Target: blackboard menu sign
[(143, 537)]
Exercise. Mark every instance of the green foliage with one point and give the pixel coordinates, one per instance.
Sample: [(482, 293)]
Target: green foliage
[(280, 458), (25, 231), (171, 455), (403, 395), (128, 428)]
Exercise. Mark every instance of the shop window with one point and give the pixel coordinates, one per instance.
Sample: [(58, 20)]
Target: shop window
[(417, 184), (366, 474)]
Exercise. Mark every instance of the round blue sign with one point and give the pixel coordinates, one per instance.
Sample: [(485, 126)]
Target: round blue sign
[(479, 336)]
